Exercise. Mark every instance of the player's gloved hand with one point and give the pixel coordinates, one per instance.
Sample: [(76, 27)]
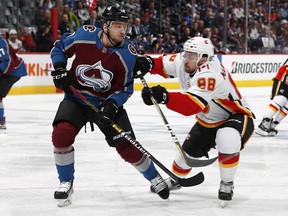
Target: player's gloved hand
[(107, 112), (144, 64), (159, 93), (62, 79)]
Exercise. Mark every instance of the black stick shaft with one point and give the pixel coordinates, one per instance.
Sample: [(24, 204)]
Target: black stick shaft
[(194, 180)]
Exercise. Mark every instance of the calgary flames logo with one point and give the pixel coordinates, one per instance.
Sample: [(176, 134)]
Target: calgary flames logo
[(98, 84)]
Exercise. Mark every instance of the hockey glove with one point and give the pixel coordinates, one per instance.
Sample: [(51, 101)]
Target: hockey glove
[(144, 64), (62, 79), (158, 92), (107, 112)]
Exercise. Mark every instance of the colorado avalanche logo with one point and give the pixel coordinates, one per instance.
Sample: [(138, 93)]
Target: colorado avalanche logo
[(98, 84)]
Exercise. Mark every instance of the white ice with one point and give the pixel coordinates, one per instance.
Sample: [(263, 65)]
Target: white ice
[(106, 185)]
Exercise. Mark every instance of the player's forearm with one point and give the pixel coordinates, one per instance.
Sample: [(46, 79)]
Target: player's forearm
[(182, 104), (159, 67)]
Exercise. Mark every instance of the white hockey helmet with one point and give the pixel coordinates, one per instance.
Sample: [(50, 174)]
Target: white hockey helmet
[(202, 46)]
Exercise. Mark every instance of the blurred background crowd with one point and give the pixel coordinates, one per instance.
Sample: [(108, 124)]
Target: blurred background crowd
[(157, 26)]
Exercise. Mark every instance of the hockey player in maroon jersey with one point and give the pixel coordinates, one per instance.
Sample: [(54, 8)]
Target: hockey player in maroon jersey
[(12, 68), (224, 119), (102, 71), (278, 107)]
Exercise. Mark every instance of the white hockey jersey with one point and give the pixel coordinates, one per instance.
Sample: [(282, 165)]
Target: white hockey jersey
[(212, 88)]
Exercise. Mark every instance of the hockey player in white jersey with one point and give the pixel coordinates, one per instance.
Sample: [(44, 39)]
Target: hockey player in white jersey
[(277, 109), (224, 119)]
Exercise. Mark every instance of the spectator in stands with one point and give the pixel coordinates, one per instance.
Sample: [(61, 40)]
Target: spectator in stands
[(148, 43), (285, 44), (135, 28), (233, 37), (47, 4), (82, 13), (45, 18), (219, 23), (73, 21), (153, 18), (281, 29), (171, 46), (183, 25), (64, 27), (268, 39), (201, 25), (216, 33), (209, 19), (144, 5), (185, 36), (138, 43), (282, 38), (216, 43), (284, 10), (166, 37), (238, 10), (71, 3), (272, 15), (259, 13), (158, 45), (201, 7), (187, 17), (101, 6), (175, 19), (254, 37), (14, 42), (216, 39), (93, 20), (145, 27), (59, 4), (233, 19), (39, 14), (278, 18), (44, 39), (132, 7), (165, 21), (206, 33), (266, 5)]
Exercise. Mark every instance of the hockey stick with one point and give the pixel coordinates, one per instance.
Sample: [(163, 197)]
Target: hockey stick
[(192, 181), (189, 161)]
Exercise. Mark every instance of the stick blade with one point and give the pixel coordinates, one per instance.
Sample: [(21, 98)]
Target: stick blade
[(200, 163), (192, 181)]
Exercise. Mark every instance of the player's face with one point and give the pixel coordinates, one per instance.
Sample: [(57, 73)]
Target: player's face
[(117, 31), (190, 62)]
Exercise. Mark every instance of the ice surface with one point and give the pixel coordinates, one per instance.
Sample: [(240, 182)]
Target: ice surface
[(106, 185)]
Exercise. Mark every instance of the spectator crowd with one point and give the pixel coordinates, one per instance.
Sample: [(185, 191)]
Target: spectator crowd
[(163, 28)]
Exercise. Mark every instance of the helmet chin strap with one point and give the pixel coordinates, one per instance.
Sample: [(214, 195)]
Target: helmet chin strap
[(109, 38), (193, 73)]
